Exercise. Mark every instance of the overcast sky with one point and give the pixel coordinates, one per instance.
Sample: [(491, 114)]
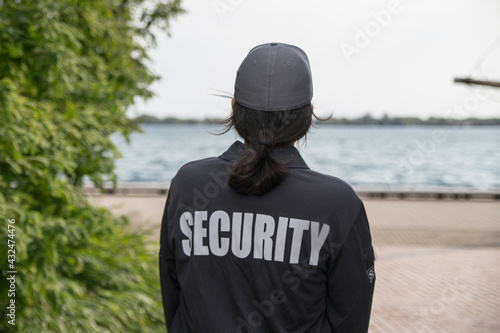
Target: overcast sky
[(394, 57)]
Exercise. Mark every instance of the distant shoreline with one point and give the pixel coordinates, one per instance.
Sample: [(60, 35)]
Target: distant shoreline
[(366, 120)]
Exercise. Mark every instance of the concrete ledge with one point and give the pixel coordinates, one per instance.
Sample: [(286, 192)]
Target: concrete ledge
[(429, 195), (148, 189)]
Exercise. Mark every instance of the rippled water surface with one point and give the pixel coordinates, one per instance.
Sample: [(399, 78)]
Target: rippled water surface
[(416, 157)]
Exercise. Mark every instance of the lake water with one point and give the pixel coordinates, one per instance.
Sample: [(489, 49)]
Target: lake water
[(365, 156)]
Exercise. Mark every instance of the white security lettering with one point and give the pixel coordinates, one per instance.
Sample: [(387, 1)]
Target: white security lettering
[(199, 233), (216, 234), (241, 235), (298, 230), (263, 243), (219, 221), (279, 251), (317, 240), (185, 222)]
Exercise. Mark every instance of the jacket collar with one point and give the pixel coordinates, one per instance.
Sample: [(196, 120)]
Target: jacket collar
[(284, 154)]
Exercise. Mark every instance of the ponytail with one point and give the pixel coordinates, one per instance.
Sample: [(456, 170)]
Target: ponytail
[(258, 172)]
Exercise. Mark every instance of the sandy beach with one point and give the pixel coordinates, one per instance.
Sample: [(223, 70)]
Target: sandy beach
[(437, 261)]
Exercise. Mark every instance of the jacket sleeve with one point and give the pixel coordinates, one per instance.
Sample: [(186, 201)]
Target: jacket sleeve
[(170, 289), (351, 280)]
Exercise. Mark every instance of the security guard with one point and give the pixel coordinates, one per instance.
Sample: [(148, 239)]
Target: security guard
[(254, 240)]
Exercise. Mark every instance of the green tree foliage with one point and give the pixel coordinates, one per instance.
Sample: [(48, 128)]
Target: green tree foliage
[(69, 69)]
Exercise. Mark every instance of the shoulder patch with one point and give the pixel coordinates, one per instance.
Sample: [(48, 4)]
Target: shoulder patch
[(371, 274)]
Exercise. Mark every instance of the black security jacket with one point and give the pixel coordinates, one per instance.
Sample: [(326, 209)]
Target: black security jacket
[(296, 259)]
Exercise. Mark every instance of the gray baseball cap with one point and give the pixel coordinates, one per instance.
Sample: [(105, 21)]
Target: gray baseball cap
[(274, 77)]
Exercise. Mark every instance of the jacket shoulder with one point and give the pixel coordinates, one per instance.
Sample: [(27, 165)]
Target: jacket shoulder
[(328, 185), (195, 172)]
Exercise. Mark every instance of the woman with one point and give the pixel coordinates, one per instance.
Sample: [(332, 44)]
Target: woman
[(255, 241)]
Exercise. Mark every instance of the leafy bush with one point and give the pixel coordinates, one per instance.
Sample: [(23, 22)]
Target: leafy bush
[(68, 72)]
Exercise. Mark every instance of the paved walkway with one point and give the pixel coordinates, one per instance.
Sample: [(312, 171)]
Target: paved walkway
[(437, 262), (433, 222), (436, 289)]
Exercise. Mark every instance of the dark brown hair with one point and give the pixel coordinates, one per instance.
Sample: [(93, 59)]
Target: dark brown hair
[(258, 172)]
